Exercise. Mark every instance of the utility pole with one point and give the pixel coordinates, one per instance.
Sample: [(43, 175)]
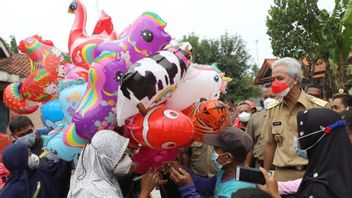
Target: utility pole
[(256, 47)]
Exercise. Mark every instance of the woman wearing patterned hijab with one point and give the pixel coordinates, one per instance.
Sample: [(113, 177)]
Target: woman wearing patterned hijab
[(98, 165), (329, 173)]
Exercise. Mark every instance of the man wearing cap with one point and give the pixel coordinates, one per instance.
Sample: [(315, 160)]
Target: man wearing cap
[(230, 149), (280, 125)]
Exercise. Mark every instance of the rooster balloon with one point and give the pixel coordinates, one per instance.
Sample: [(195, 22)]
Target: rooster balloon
[(41, 85)]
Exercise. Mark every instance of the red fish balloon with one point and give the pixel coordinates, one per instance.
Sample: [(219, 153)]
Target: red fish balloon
[(162, 128)]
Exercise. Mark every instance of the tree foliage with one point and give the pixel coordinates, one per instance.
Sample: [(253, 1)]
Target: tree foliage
[(232, 58), (299, 29)]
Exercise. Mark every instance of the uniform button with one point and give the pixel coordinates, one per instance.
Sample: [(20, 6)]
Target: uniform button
[(315, 175)]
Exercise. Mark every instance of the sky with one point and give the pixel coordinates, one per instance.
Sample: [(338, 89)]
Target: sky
[(205, 18)]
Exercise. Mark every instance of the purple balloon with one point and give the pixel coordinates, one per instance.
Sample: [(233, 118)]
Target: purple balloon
[(97, 110), (142, 39)]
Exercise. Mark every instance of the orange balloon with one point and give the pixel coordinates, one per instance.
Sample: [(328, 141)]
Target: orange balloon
[(162, 128), (208, 117)]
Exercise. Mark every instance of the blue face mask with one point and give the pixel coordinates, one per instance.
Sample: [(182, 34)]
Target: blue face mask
[(300, 152), (214, 157), (28, 139)]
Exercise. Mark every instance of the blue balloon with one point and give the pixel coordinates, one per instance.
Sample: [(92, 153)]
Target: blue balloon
[(52, 113), (54, 144)]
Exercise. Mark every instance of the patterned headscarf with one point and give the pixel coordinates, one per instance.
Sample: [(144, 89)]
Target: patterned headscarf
[(94, 176)]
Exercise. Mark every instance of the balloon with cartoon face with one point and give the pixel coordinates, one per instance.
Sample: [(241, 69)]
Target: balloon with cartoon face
[(52, 114), (162, 128), (208, 117), (201, 81)]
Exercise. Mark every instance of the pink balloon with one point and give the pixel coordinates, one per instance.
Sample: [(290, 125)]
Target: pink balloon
[(147, 158)]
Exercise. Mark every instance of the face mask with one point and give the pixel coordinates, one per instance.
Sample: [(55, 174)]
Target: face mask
[(244, 116), (280, 89), (28, 139), (299, 152), (124, 166), (267, 102), (214, 157), (33, 161)]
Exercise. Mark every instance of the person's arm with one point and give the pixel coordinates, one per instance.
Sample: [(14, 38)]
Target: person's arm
[(271, 185), (269, 151), (192, 182), (249, 158), (269, 143), (250, 132), (148, 183)]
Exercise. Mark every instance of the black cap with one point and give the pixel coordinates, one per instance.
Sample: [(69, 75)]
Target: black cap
[(232, 140)]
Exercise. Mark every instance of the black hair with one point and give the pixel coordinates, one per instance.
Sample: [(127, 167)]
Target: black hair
[(317, 86), (250, 193), (19, 122), (346, 99)]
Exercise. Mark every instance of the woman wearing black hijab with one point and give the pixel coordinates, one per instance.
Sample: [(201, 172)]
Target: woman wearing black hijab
[(329, 173), (28, 179)]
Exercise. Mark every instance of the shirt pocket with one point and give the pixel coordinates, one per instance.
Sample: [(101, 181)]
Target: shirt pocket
[(277, 131)]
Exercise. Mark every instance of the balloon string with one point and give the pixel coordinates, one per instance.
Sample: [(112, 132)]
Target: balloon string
[(97, 7)]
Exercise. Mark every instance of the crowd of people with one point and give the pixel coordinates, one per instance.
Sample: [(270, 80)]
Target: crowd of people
[(299, 140)]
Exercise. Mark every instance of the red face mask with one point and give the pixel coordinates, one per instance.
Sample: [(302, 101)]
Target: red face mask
[(280, 89)]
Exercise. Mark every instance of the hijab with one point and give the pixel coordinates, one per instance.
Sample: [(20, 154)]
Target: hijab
[(94, 176), (329, 171), (54, 178)]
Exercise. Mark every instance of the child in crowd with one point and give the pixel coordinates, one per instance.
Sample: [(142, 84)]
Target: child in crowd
[(230, 150)]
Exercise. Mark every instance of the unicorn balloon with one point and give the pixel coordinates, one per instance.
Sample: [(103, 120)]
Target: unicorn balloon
[(144, 37), (97, 108), (192, 87)]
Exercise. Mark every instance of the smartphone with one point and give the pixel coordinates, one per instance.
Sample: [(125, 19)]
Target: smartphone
[(251, 175)]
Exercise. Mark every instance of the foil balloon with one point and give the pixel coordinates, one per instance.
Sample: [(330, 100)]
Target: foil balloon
[(104, 26), (151, 81), (97, 110), (74, 73), (79, 40), (146, 158), (47, 68), (162, 128), (144, 37), (54, 147), (71, 94), (192, 87), (52, 114), (208, 117)]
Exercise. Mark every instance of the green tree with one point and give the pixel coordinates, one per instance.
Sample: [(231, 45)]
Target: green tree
[(299, 29), (231, 56), (13, 45)]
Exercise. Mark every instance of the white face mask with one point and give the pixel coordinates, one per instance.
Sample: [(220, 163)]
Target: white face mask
[(124, 166), (267, 102), (244, 116), (33, 161)]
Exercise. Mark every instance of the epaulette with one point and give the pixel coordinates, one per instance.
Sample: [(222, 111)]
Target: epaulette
[(317, 101), (274, 104)]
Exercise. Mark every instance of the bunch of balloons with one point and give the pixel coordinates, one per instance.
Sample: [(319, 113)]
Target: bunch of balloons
[(134, 79)]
